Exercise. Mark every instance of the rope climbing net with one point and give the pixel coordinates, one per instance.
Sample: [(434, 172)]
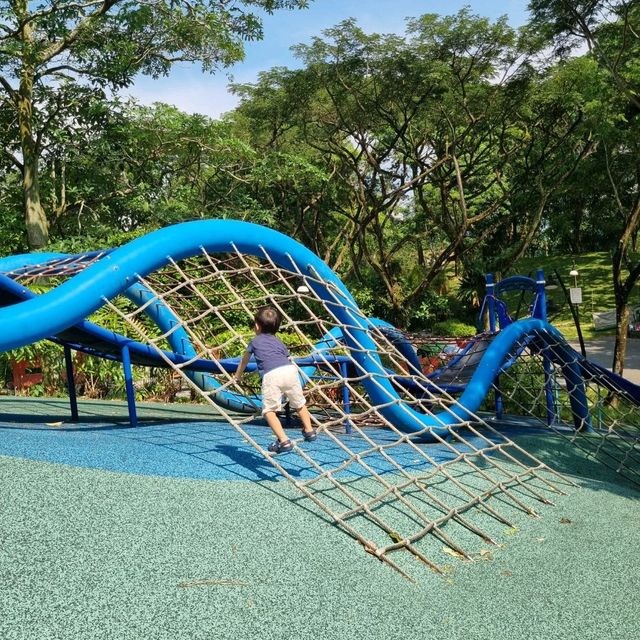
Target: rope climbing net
[(382, 485), (404, 461), (603, 421)]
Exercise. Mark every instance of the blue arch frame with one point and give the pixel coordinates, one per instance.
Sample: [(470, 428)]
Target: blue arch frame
[(118, 271)]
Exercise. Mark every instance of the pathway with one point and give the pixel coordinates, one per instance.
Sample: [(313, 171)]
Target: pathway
[(600, 351)]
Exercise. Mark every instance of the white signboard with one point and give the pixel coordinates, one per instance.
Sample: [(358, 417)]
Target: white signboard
[(575, 294)]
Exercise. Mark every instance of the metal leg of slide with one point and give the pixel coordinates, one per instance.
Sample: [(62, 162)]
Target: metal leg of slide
[(128, 385), (71, 384), (548, 391), (498, 397), (346, 398)]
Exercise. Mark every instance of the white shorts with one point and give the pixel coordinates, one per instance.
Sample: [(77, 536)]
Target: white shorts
[(278, 382)]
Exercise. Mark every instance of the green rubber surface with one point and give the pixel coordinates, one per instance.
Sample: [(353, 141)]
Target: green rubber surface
[(88, 553)]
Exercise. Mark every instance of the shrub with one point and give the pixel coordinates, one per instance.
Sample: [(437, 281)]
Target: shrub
[(454, 329), (433, 308)]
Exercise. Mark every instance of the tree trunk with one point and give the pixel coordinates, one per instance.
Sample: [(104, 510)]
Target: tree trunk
[(35, 218), (622, 326)]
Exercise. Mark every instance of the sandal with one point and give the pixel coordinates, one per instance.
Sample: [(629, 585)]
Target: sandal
[(281, 447), (310, 436)]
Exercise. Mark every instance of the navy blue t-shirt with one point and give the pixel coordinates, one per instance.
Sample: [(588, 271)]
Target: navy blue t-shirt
[(269, 351)]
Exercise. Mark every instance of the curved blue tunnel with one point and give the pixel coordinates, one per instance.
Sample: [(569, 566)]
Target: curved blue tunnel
[(118, 271)]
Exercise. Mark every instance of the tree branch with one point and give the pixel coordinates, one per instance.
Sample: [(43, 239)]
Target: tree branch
[(13, 94), (55, 49), (13, 159)]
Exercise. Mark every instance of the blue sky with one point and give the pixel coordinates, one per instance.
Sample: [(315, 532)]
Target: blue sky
[(194, 92)]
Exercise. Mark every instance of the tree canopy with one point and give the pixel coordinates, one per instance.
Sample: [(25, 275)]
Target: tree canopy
[(53, 53), (460, 145)]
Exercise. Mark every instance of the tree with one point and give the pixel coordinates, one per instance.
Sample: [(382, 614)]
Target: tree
[(133, 168), (424, 141), (102, 44), (610, 29)]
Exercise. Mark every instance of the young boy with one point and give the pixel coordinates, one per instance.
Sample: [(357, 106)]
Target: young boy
[(279, 377)]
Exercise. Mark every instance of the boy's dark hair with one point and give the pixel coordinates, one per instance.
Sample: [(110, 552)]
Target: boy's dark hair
[(268, 319)]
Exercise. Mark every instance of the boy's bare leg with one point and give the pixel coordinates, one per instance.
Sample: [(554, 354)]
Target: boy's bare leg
[(276, 426), (305, 418)]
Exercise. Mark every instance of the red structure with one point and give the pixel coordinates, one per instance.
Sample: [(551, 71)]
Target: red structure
[(26, 374)]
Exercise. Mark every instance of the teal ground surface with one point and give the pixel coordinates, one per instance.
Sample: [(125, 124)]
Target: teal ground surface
[(92, 553)]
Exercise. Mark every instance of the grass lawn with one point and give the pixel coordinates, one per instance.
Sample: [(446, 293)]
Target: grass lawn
[(597, 289)]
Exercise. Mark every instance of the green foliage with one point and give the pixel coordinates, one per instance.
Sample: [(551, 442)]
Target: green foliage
[(432, 309), (58, 61), (431, 159), (594, 278), (454, 329), (12, 237), (371, 303), (94, 377)]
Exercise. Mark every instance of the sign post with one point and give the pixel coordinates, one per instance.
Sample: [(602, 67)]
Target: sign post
[(574, 297)]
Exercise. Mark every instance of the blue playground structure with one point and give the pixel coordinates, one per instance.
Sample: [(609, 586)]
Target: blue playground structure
[(60, 316), (184, 297)]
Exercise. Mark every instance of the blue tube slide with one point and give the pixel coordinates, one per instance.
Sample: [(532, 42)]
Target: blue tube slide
[(92, 339), (81, 295)]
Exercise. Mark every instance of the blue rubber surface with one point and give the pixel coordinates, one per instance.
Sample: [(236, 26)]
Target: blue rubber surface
[(200, 450), (94, 555)]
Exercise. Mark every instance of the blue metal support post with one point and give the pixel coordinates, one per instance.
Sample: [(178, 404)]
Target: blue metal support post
[(128, 385), (540, 312), (346, 399), (491, 307), (491, 302)]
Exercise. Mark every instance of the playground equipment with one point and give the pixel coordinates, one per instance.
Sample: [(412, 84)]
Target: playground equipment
[(606, 420), (418, 460)]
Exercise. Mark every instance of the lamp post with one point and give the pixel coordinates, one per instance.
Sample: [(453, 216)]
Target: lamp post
[(574, 273), (574, 297)]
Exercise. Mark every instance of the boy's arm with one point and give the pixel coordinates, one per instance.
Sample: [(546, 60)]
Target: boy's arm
[(242, 365)]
